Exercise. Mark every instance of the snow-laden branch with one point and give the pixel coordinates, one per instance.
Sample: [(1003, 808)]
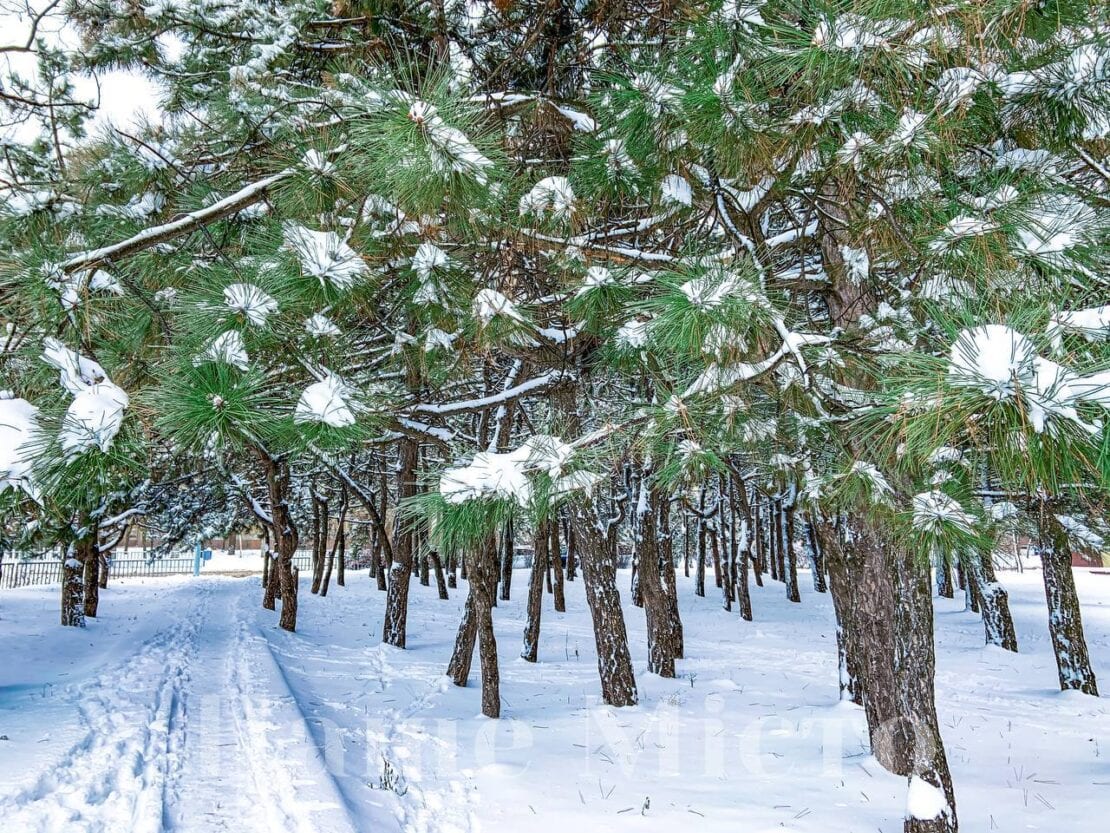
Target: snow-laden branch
[(154, 235), (536, 385)]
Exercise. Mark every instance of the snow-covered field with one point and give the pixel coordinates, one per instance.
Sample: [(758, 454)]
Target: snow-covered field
[(184, 708)]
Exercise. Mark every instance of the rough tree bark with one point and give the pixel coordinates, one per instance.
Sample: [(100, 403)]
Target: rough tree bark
[(661, 649), (397, 596), (599, 571), (530, 649), (1065, 624)]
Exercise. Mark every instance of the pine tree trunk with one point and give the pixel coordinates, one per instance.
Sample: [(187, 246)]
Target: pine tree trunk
[(458, 669), (397, 598), (452, 578), (666, 553), (437, 568), (487, 644), (944, 576), (817, 557), (555, 554), (998, 624), (508, 548), (73, 589), (530, 649), (572, 551), (1065, 624), (599, 571), (921, 748), (790, 558), (661, 649), (88, 553), (341, 571), (105, 564), (699, 569)]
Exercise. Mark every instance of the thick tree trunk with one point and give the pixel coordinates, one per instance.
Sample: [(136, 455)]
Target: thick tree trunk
[(920, 747), (860, 567), (530, 649), (661, 649), (1065, 624), (666, 554), (397, 598), (599, 571), (487, 644), (452, 577)]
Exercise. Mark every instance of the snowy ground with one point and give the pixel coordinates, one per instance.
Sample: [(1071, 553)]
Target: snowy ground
[(184, 708)]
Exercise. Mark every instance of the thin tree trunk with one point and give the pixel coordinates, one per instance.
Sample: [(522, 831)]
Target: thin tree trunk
[(441, 583), (944, 576), (572, 550), (452, 578), (508, 548), (556, 555), (816, 557), (325, 580), (790, 558), (530, 649)]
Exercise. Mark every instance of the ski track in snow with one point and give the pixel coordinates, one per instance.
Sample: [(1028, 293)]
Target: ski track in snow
[(205, 717), (122, 771)]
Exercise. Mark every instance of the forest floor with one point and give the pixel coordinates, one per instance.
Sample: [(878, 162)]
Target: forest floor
[(184, 708)]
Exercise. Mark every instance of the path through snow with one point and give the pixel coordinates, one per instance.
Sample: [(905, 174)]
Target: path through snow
[(184, 709)]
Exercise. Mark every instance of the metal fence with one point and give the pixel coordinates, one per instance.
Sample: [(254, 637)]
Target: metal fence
[(34, 571)]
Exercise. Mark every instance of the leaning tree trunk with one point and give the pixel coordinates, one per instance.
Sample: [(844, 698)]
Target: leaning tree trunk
[(920, 746), (994, 602), (599, 572), (397, 597), (437, 569), (1065, 624)]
